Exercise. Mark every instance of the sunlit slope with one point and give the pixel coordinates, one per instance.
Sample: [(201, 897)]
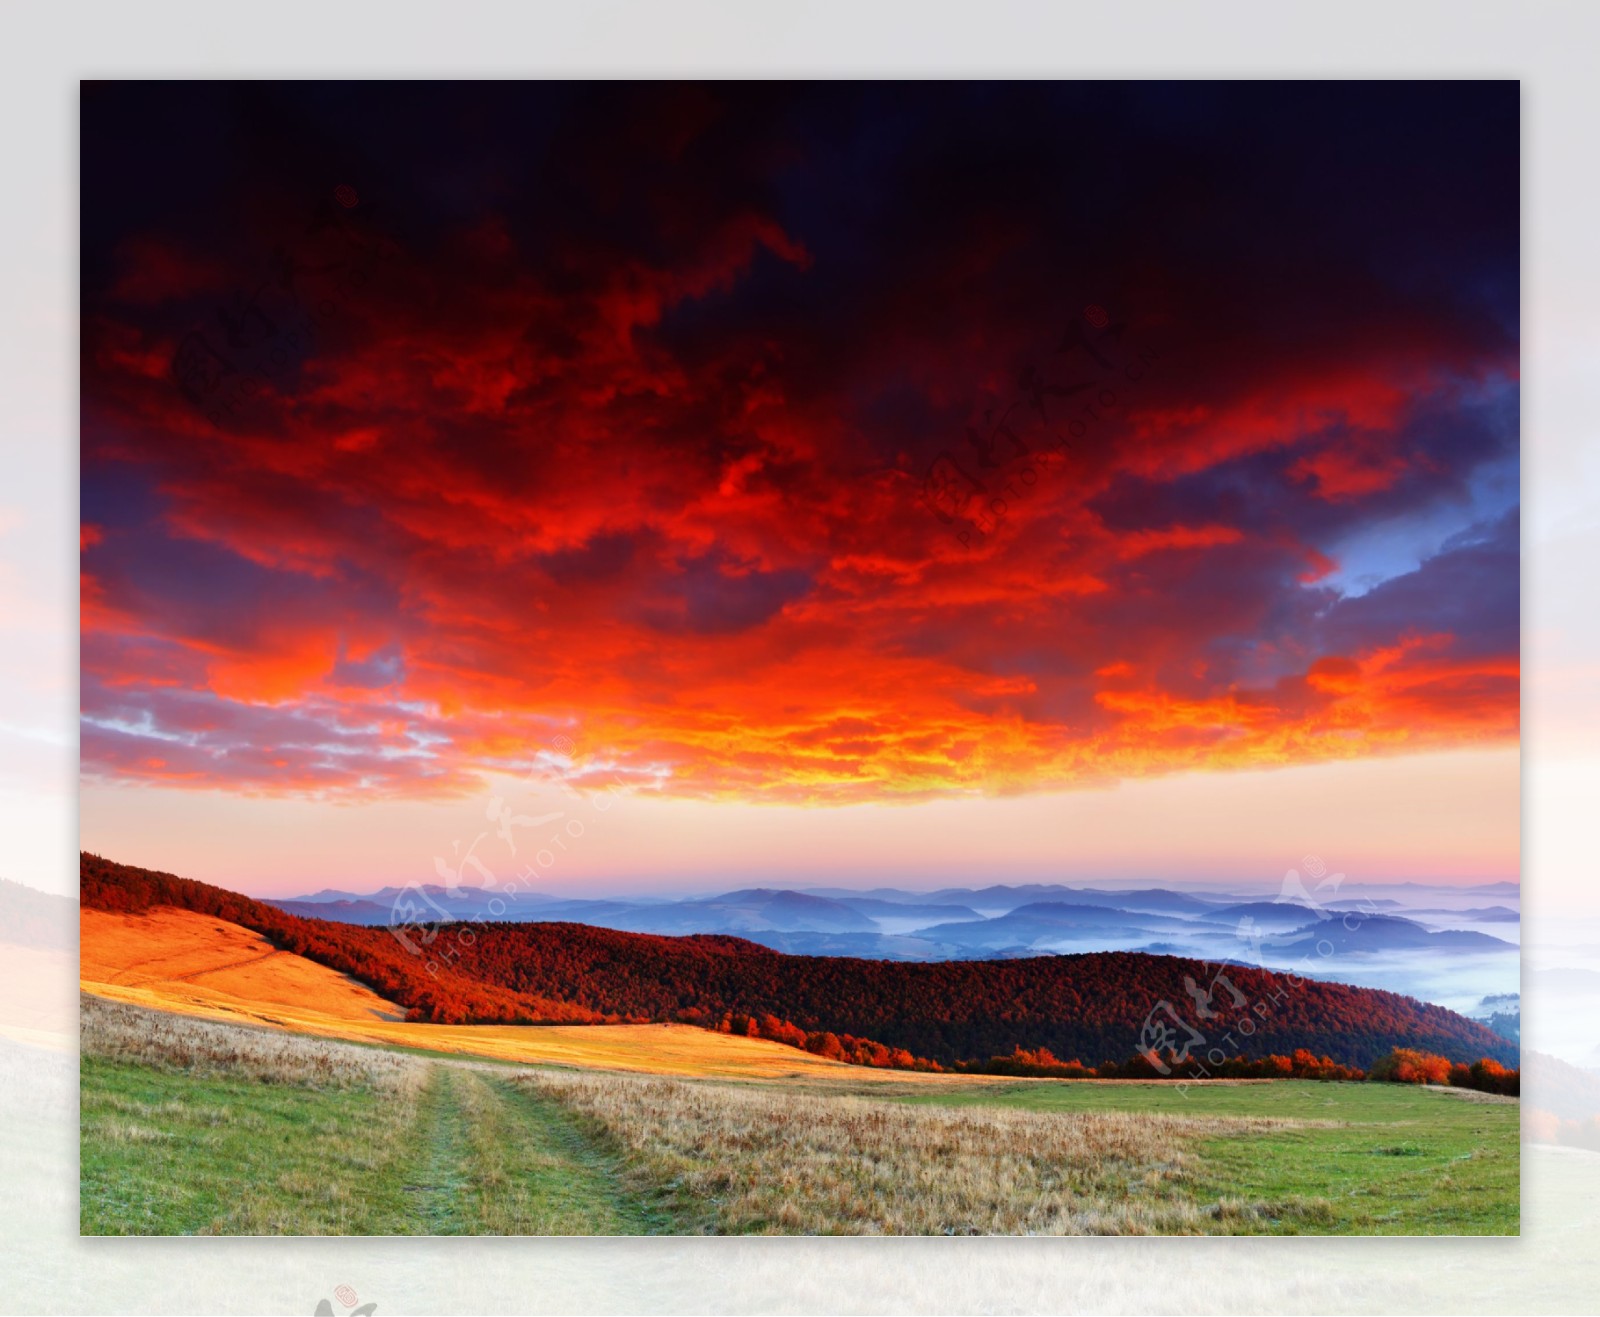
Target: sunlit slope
[(194, 964), (200, 964)]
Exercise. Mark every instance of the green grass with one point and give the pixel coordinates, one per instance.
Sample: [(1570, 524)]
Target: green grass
[(168, 1153), (198, 1127), (503, 1161), (164, 1153), (1403, 1160)]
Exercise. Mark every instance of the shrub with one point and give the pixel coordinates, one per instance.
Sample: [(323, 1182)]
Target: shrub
[(1405, 1065)]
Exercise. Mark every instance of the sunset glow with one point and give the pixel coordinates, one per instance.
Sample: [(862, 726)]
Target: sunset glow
[(1024, 446)]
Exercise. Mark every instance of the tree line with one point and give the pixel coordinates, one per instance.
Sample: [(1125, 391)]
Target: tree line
[(1089, 1009)]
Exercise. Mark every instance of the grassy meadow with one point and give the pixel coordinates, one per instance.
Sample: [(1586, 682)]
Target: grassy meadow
[(1356, 1158), (191, 1126)]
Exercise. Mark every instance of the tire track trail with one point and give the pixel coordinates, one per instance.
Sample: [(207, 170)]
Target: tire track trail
[(497, 1159), (440, 1189)]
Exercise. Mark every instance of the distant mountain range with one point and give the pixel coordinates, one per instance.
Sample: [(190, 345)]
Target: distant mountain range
[(1093, 1007), (1385, 933), (1437, 943), (998, 921)]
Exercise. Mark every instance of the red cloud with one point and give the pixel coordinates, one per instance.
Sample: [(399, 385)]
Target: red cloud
[(489, 505), (1352, 469)]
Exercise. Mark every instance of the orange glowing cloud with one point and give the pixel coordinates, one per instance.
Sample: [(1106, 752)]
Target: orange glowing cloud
[(659, 500)]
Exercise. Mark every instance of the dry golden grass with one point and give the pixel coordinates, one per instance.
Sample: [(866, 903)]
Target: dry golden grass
[(197, 965), (722, 1134), (787, 1162), (190, 964), (177, 956), (114, 1031)]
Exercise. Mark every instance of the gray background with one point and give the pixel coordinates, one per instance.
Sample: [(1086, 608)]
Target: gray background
[(1550, 47)]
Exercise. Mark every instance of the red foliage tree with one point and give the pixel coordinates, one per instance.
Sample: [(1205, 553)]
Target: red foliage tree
[(1407, 1065)]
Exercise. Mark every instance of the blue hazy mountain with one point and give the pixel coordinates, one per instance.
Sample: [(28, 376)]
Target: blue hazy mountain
[(1379, 941), (898, 912), (342, 910), (1493, 914), (744, 912), (1277, 915), (1003, 898), (1401, 937), (1385, 933), (1052, 921)]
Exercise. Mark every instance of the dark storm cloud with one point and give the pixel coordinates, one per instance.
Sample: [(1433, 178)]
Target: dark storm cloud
[(619, 402)]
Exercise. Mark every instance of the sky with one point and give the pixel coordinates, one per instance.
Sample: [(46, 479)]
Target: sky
[(852, 482)]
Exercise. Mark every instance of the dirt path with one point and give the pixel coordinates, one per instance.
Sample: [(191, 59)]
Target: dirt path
[(495, 1159), (439, 1188)]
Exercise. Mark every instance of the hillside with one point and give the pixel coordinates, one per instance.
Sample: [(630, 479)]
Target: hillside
[(193, 963), (1090, 1007), (368, 954), (181, 963)]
